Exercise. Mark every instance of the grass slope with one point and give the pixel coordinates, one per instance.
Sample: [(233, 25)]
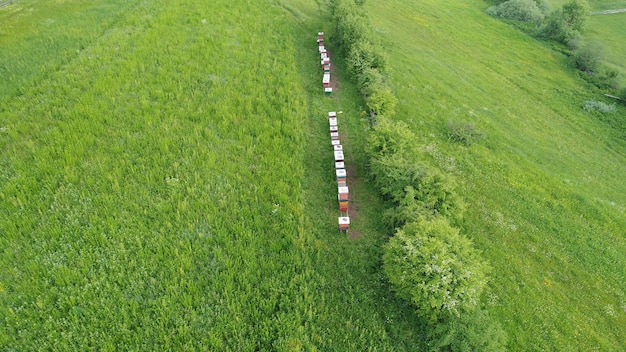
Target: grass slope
[(545, 191)]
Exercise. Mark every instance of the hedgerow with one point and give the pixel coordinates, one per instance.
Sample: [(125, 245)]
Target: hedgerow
[(423, 201)]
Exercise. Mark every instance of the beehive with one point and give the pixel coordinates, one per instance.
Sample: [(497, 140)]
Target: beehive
[(337, 147), (344, 223), (332, 114), (334, 128), (328, 91), (326, 80), (343, 193), (332, 121), (339, 165), (326, 66), (338, 155), (334, 136)]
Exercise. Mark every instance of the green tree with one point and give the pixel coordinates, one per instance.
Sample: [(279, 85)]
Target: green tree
[(575, 14), (430, 264)]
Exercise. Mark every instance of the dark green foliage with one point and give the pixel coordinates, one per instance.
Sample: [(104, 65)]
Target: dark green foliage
[(520, 10), (432, 194), (471, 331), (566, 24), (435, 268), (364, 55), (465, 133), (394, 173)]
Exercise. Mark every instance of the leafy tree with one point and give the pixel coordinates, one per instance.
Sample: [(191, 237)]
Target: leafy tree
[(430, 264), (575, 14)]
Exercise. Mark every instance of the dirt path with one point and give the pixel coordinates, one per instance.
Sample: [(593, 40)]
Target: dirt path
[(608, 12)]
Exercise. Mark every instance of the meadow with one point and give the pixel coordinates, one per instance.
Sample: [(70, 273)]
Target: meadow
[(166, 179), (165, 184)]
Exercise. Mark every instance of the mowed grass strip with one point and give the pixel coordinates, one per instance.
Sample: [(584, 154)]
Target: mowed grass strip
[(545, 190), (150, 188)]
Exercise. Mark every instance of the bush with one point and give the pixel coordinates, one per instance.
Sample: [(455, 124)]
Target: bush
[(381, 101), (519, 10), (589, 56), (390, 137), (430, 195), (602, 107), (364, 55), (393, 174), (473, 331), (465, 133), (435, 268), (566, 24)]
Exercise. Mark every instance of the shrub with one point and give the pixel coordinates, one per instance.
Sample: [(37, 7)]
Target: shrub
[(364, 55), (566, 24), (520, 10), (381, 101), (390, 137), (473, 331), (370, 80), (430, 195), (393, 174), (589, 56), (465, 133), (435, 268), (602, 107)]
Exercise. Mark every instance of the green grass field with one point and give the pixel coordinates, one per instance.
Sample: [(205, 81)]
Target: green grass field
[(166, 179)]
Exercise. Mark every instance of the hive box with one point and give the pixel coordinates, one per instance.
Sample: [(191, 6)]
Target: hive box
[(344, 223)]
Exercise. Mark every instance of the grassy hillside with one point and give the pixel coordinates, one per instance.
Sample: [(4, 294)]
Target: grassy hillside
[(547, 201)]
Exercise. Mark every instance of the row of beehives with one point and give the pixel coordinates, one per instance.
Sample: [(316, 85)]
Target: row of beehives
[(325, 63), (340, 172)]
